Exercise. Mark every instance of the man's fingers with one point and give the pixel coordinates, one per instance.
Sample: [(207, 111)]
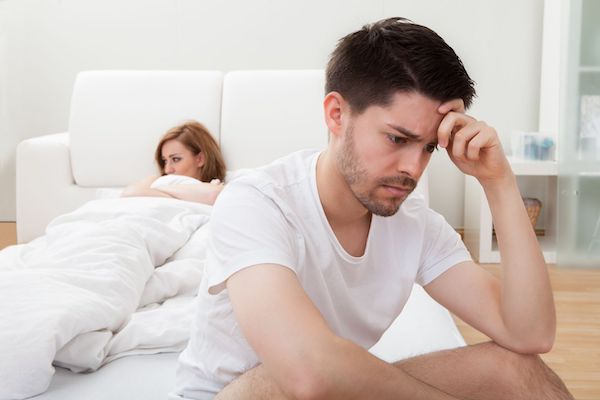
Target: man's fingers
[(461, 139), (457, 105), (475, 146), (468, 141), (451, 123)]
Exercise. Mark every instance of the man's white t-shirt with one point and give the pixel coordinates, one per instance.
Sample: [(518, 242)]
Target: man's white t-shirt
[(274, 215)]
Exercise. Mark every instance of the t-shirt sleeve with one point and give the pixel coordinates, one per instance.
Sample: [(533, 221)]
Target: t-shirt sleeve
[(247, 228), (442, 248)]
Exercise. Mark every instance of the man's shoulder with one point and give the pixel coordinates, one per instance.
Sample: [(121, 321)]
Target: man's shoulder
[(275, 182), (280, 173)]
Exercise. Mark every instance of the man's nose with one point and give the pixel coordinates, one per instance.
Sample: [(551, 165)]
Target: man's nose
[(411, 164)]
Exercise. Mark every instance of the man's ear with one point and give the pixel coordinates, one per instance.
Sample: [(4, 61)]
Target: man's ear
[(335, 108)]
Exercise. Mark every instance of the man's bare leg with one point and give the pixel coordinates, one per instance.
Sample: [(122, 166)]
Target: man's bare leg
[(487, 371), (484, 371)]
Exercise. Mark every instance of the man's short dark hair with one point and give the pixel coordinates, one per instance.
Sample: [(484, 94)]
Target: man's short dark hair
[(369, 66)]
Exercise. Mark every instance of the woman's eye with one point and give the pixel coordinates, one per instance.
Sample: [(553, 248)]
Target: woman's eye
[(430, 148), (176, 159), (397, 139)]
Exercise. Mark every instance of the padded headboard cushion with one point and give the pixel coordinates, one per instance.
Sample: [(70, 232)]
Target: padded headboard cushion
[(268, 114), (117, 118)]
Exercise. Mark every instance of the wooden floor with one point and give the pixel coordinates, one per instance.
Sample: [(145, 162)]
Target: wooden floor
[(576, 353), (8, 234)]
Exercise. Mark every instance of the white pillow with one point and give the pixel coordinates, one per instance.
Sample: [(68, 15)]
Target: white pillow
[(166, 180)]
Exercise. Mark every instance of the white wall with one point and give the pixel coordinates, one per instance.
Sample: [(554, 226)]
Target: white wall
[(44, 43)]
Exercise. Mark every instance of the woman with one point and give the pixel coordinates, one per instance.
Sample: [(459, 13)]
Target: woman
[(191, 167)]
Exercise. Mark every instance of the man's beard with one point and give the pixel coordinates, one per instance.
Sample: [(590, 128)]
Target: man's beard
[(355, 176)]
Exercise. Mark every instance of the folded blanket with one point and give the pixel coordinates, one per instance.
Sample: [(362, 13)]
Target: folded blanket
[(70, 291)]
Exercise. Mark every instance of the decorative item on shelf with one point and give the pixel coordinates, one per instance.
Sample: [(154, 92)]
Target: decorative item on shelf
[(532, 146), (533, 206)]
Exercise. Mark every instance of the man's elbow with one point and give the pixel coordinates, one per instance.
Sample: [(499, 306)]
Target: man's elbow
[(310, 379), (535, 344), (543, 345), (308, 386)]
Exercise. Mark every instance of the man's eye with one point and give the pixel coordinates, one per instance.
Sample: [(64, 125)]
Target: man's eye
[(431, 147), (397, 139)]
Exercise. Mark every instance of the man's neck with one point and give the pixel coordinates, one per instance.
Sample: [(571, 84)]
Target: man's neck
[(341, 207)]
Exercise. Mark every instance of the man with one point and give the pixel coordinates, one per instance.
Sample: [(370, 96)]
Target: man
[(313, 256)]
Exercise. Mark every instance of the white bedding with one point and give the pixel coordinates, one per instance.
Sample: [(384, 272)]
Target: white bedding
[(70, 297)]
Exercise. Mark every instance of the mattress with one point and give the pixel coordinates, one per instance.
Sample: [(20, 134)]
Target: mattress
[(143, 377)]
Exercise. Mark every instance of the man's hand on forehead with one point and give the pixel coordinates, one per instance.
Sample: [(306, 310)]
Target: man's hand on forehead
[(456, 105), (472, 145)]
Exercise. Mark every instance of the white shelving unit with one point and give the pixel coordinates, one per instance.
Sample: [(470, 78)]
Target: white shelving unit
[(536, 179), (578, 238)]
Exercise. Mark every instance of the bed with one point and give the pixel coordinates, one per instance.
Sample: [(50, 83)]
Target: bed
[(115, 121)]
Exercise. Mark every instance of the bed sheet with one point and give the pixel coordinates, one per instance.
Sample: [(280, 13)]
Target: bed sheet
[(143, 377)]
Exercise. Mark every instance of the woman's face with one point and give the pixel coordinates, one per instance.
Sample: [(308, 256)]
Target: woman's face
[(179, 160)]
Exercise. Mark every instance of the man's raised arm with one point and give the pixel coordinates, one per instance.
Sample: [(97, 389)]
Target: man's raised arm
[(518, 312)]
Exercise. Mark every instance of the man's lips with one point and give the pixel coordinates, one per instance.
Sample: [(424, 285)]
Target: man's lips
[(397, 190)]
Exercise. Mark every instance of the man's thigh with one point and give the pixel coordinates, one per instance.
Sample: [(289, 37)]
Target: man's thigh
[(479, 372), (486, 371)]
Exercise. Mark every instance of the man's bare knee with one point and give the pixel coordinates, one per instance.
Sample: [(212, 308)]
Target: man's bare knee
[(527, 376), (487, 371)]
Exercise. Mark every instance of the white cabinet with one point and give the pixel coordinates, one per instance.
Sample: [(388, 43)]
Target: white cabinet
[(537, 179), (579, 136)]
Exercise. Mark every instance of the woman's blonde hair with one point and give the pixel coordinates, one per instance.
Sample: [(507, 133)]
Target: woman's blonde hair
[(196, 138)]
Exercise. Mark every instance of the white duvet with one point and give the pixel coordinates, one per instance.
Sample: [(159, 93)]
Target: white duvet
[(89, 291)]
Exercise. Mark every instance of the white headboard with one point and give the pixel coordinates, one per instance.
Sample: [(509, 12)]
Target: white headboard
[(268, 114), (117, 117)]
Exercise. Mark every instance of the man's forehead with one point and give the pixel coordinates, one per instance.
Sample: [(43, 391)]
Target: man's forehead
[(414, 115)]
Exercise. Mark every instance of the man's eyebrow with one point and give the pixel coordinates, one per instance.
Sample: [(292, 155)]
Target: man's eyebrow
[(409, 134), (405, 132)]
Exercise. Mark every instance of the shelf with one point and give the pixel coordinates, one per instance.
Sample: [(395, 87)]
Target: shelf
[(580, 168), (535, 168), (590, 69)]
